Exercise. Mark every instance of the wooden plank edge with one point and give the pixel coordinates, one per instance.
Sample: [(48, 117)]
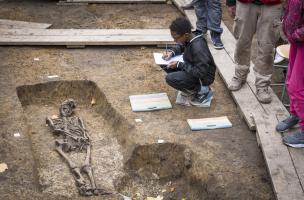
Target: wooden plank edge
[(64, 3), (8, 24), (179, 6), (119, 43), (110, 2), (75, 46)]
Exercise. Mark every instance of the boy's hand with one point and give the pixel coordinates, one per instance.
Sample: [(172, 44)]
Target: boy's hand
[(167, 55), (172, 65)]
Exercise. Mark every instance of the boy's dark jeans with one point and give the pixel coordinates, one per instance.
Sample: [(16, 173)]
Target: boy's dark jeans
[(181, 80)]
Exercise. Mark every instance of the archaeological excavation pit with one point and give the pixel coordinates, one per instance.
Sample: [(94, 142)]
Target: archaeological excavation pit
[(101, 120), (225, 164), (162, 170), (156, 169)]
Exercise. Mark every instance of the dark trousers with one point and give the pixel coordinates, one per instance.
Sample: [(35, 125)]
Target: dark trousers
[(181, 80)]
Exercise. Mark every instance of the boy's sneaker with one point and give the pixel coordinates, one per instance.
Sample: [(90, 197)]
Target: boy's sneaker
[(295, 140), (216, 40), (287, 123), (200, 99)]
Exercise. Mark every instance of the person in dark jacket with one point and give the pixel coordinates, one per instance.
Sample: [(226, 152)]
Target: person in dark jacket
[(193, 76)]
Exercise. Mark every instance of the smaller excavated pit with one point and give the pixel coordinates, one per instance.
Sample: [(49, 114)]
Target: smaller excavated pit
[(160, 170)]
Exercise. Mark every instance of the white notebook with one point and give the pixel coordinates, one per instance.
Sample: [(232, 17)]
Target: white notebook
[(158, 58), (149, 102), (209, 123)]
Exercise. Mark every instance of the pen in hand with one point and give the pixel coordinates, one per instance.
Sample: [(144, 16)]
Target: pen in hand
[(166, 55)]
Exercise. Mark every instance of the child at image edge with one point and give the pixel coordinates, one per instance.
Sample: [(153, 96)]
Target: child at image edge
[(293, 25), (193, 76)]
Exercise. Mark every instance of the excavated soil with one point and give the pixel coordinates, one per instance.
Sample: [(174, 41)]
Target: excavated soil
[(127, 158)]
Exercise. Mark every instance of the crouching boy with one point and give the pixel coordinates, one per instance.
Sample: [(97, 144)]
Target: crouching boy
[(193, 76)]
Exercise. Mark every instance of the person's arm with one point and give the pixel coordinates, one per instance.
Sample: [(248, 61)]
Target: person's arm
[(177, 50), (201, 63), (174, 51), (298, 35)]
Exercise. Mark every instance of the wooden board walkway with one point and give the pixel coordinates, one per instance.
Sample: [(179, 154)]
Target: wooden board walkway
[(13, 24), (285, 165), (83, 37), (66, 2)]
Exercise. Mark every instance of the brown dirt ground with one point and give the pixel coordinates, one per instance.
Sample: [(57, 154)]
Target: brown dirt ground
[(226, 164)]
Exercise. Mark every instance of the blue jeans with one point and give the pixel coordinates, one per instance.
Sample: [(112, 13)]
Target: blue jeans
[(209, 15)]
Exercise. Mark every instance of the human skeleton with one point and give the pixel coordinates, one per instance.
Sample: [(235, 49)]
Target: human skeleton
[(74, 137)]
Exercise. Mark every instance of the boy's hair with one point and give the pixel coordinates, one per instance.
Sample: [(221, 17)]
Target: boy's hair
[(181, 25)]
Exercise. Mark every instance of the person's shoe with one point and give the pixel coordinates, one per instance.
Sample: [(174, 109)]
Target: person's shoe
[(263, 95), (188, 6), (236, 84), (287, 123), (199, 32), (216, 40), (200, 99), (295, 140)]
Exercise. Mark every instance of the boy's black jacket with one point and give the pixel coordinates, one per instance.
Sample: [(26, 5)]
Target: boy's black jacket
[(198, 60)]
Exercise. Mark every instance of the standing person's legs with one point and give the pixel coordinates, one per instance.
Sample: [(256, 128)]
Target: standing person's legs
[(244, 28), (200, 8), (290, 73), (292, 119), (295, 84), (214, 18), (266, 39)]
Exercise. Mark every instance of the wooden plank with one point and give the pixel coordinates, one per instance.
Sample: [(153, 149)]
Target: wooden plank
[(192, 17), (64, 3), (85, 32), (113, 1), (294, 157), (284, 178), (13, 24), (275, 108), (244, 98), (297, 155), (75, 46), (279, 159), (83, 37), (179, 4)]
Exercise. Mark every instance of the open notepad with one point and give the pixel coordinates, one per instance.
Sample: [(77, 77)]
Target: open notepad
[(160, 61)]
